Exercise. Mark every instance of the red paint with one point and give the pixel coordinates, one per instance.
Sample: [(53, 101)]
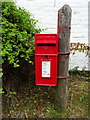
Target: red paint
[(62, 28), (65, 53), (46, 52), (41, 110), (62, 77)]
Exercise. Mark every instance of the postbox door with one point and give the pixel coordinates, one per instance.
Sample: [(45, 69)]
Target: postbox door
[(46, 71)]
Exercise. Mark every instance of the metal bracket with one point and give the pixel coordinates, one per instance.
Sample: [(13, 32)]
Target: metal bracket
[(63, 77), (62, 28), (65, 53)]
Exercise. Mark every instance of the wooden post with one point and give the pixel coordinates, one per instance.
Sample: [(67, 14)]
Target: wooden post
[(64, 24)]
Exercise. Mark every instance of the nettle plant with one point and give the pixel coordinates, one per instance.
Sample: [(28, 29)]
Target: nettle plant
[(18, 30)]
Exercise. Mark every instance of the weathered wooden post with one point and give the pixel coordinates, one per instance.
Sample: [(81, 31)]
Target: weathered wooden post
[(64, 24)]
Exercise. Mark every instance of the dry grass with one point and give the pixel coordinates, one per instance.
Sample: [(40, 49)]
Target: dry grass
[(38, 102)]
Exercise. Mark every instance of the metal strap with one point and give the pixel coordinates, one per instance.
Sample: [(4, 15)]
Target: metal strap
[(62, 77), (62, 28), (65, 53)]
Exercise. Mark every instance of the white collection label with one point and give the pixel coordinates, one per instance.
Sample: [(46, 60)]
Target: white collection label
[(45, 68)]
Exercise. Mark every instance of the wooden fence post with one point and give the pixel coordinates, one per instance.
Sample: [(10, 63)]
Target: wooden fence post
[(64, 24)]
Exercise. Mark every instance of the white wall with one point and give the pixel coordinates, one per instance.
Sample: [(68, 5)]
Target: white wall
[(46, 12)]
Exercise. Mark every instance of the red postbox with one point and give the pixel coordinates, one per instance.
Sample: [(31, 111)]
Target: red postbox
[(46, 57)]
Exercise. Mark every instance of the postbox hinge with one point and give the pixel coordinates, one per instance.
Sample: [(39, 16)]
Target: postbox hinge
[(65, 53), (62, 77)]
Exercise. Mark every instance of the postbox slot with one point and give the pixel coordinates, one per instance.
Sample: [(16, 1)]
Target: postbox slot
[(46, 44)]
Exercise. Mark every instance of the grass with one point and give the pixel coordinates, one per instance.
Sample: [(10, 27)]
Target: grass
[(38, 102)]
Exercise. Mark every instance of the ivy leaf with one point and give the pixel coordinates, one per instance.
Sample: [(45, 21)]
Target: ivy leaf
[(1, 74)]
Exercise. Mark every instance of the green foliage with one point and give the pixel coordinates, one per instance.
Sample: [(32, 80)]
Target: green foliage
[(18, 29), (7, 95), (1, 90), (84, 96), (10, 94), (74, 71), (1, 73)]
